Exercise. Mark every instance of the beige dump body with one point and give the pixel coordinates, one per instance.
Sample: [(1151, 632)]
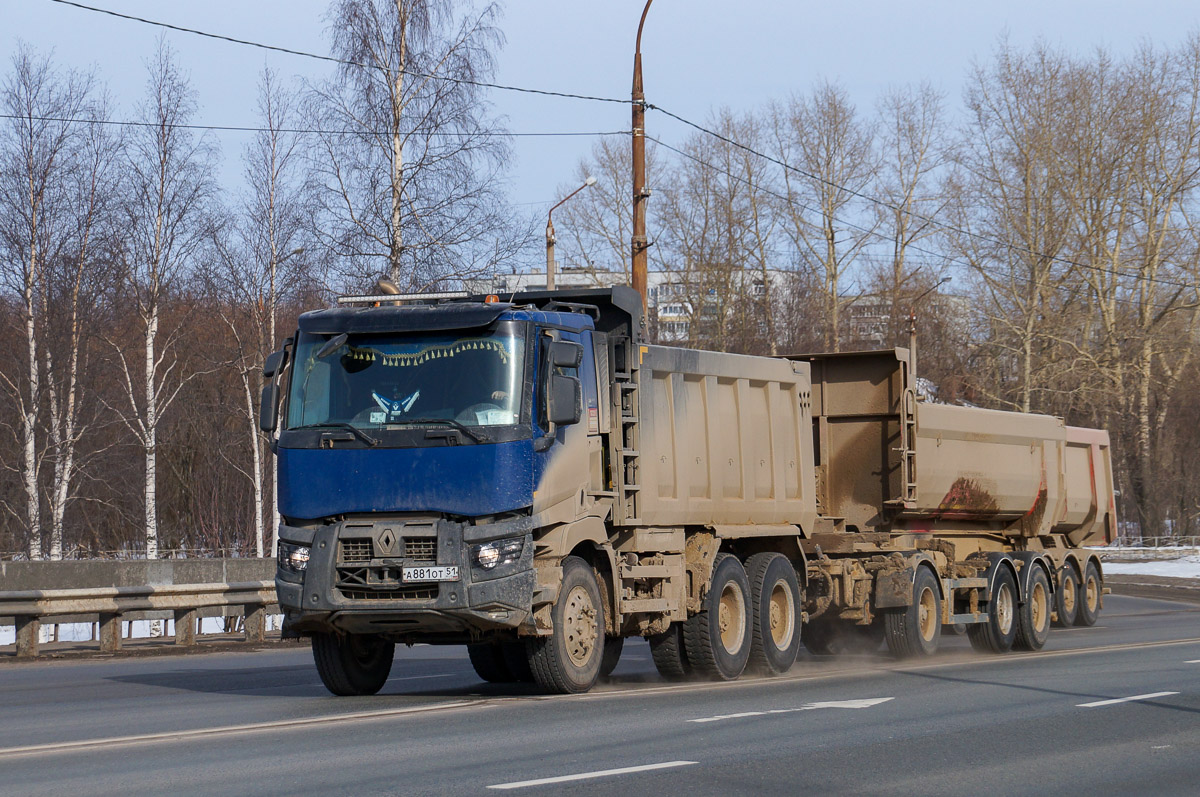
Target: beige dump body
[(725, 439), (885, 460)]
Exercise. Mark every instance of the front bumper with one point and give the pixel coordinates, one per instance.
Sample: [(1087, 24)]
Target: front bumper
[(352, 582)]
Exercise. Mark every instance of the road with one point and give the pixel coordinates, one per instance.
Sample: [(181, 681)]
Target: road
[(1111, 709)]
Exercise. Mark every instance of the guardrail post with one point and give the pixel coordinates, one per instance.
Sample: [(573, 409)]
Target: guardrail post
[(185, 626), (256, 622), (110, 632), (28, 631)]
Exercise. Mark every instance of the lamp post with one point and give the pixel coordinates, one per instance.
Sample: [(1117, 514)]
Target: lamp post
[(550, 239), (640, 192), (912, 326)]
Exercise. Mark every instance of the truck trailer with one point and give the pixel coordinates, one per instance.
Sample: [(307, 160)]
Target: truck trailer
[(531, 478)]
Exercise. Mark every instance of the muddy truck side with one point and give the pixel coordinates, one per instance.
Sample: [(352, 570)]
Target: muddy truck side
[(530, 479)]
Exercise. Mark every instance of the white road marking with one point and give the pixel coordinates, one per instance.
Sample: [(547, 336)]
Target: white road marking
[(601, 773), (1193, 661), (861, 703), (1116, 700), (420, 677)]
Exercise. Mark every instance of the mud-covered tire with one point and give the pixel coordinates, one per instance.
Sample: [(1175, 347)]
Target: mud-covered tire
[(915, 630), (669, 655), (1033, 620), (717, 638), (776, 604), (489, 663), (1066, 598), (352, 664), (1000, 631), (568, 661), (1090, 590), (516, 658), (613, 646)]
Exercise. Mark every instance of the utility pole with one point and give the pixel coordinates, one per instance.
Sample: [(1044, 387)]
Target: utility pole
[(550, 237), (640, 192)]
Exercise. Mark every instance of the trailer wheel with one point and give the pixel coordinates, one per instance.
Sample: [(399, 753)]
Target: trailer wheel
[(775, 600), (569, 660), (490, 663), (998, 633), (1033, 625), (717, 638), (1066, 599), (670, 657), (613, 645), (352, 664), (1089, 596), (915, 630)]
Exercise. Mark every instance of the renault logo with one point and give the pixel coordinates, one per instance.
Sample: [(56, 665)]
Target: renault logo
[(387, 542)]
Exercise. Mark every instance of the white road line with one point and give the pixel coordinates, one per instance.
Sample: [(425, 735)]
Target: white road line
[(421, 677), (601, 773), (861, 703), (1193, 661), (225, 730), (1116, 700)]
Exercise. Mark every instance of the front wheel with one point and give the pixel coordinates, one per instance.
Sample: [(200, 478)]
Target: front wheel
[(352, 664), (569, 660)]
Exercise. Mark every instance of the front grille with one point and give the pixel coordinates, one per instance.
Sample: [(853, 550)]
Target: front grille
[(421, 550), (356, 550), (413, 593)]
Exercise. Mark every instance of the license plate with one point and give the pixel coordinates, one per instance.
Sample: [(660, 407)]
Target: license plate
[(445, 573)]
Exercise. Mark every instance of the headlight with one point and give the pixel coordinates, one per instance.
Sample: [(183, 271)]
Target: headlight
[(497, 552), (293, 557)]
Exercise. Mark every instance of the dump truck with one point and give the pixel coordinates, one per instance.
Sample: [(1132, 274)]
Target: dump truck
[(531, 478)]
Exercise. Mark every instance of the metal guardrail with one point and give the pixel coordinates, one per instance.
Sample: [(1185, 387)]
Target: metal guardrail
[(1155, 542), (107, 591), (29, 608)]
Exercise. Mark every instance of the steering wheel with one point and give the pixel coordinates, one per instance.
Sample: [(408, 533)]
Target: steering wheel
[(470, 416)]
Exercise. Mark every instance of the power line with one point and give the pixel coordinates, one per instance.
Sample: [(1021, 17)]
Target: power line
[(331, 59), (297, 130), (927, 219), (940, 256)]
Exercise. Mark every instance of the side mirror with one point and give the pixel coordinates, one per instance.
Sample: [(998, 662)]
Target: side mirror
[(273, 362), (268, 406), (565, 354), (564, 402)]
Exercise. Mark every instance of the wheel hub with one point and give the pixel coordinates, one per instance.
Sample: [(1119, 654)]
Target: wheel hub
[(579, 623)]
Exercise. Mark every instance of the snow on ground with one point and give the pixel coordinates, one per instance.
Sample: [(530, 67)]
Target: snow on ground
[(1186, 566)]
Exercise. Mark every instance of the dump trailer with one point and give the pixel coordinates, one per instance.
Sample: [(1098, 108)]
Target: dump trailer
[(532, 479)]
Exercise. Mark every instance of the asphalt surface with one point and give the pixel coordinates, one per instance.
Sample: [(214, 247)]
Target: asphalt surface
[(1112, 709)]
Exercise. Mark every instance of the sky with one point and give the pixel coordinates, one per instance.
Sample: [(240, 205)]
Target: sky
[(698, 56)]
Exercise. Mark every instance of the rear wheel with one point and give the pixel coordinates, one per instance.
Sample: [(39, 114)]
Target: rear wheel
[(613, 646), (717, 638), (775, 600), (490, 663), (670, 657), (915, 630), (352, 664), (1066, 600), (998, 633), (1089, 596), (1033, 621), (569, 660)]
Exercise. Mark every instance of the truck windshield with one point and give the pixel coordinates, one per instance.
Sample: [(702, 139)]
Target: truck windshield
[(410, 379)]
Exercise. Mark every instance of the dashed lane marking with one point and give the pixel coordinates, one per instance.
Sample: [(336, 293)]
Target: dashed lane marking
[(1132, 699), (600, 773), (862, 703)]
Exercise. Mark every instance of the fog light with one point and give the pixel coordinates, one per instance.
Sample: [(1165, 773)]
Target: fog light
[(293, 557), (497, 552)]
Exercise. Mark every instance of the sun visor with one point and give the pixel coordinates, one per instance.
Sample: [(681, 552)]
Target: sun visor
[(410, 318)]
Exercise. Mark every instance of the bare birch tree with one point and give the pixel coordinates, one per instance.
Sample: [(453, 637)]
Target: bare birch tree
[(168, 186), (406, 171)]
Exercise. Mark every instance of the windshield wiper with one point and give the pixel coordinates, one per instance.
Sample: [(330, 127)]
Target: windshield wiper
[(476, 436), (366, 438)]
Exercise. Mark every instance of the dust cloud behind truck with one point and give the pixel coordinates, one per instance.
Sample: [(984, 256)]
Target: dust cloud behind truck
[(533, 480)]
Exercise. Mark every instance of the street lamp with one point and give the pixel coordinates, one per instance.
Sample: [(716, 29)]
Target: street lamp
[(912, 326), (550, 239), (640, 192)]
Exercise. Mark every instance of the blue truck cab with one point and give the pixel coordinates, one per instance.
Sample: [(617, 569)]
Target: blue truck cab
[(421, 448)]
